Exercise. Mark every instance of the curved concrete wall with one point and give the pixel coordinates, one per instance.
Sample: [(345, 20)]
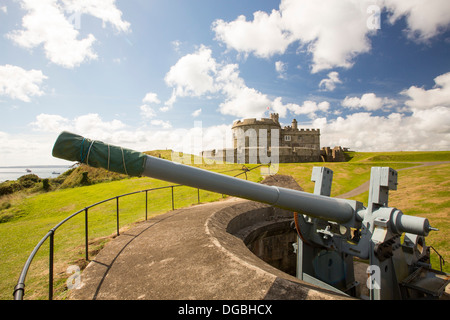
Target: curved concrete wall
[(252, 232), (268, 233)]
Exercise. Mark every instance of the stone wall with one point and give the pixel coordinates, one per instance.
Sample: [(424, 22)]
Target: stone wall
[(254, 141), (332, 155)]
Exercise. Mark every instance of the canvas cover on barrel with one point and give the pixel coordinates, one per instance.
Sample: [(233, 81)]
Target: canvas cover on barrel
[(98, 154)]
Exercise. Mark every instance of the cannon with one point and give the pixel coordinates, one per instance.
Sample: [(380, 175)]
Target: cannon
[(332, 232)]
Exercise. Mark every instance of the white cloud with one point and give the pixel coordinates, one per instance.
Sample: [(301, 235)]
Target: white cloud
[(199, 74), (170, 102), (197, 112), (423, 130), (161, 123), (420, 98), (281, 68), (310, 108), (151, 98), (46, 24), (167, 107), (425, 127), (193, 74), (105, 10), (27, 149), (333, 32), (91, 124), (245, 102), (329, 84), (4, 9), (51, 123), (176, 45), (264, 36), (18, 83), (280, 108), (240, 100), (147, 111), (368, 101), (425, 19)]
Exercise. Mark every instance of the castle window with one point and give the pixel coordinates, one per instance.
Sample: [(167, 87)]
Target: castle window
[(287, 138)]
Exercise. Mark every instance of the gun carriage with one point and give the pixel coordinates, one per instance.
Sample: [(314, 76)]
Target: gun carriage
[(332, 232)]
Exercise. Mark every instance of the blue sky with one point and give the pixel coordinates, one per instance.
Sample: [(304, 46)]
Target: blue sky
[(372, 75)]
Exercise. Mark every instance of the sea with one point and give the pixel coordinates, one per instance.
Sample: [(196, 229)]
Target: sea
[(43, 172)]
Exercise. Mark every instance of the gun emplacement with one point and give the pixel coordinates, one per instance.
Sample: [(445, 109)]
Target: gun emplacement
[(371, 232)]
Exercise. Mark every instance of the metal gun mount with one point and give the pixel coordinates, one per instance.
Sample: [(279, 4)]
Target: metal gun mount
[(326, 249), (331, 231)]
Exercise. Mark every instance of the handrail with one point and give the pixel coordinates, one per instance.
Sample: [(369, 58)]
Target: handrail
[(19, 289), (441, 258)]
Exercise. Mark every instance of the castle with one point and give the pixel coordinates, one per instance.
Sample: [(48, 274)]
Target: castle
[(265, 141)]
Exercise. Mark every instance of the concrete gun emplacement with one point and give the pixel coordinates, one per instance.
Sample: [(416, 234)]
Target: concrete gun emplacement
[(331, 231)]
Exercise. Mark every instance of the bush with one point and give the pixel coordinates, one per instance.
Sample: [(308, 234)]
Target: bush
[(45, 184), (9, 187), (29, 177), (5, 205), (29, 180), (85, 179)]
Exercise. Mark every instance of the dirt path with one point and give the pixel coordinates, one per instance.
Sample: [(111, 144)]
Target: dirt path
[(365, 186)]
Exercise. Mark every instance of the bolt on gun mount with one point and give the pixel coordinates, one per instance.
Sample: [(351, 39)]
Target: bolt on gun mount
[(327, 244)]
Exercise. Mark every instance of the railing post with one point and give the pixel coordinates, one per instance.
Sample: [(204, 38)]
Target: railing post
[(173, 206), (86, 233), (146, 204), (198, 195), (50, 265), (117, 202)]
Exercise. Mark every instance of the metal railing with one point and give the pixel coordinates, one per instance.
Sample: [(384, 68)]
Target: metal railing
[(19, 289)]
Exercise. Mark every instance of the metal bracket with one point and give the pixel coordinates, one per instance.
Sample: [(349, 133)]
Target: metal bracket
[(382, 179), (322, 177), (384, 250)]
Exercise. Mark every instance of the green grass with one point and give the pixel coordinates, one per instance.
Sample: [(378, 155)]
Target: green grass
[(346, 175), (422, 191), (400, 156), (41, 212)]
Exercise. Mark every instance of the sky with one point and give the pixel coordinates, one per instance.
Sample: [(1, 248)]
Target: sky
[(175, 74)]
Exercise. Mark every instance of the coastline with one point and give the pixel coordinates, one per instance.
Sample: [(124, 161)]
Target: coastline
[(12, 173)]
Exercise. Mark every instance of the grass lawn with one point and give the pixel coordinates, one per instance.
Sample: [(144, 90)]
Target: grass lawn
[(37, 214), (421, 191)]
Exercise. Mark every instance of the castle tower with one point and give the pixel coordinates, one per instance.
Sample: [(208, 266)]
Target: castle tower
[(274, 117), (294, 125)]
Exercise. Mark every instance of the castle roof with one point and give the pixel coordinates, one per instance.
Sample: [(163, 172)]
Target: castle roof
[(254, 121)]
